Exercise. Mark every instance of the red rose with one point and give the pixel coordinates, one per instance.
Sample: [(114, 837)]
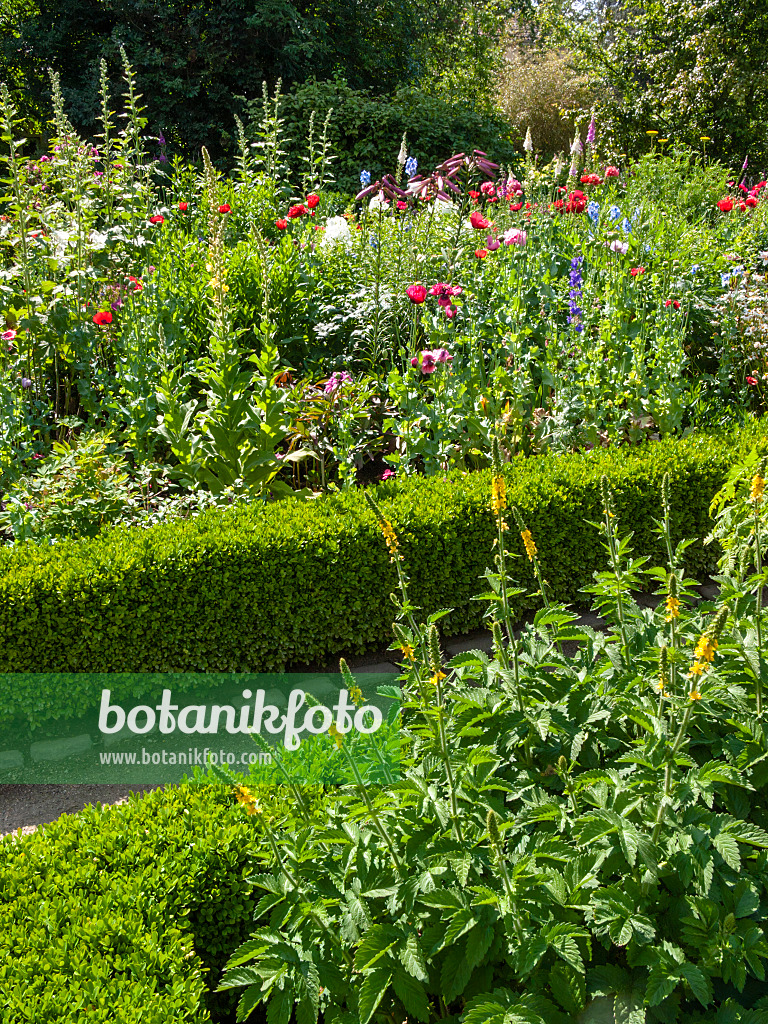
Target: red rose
[(183, 207), (312, 200), (281, 224), (725, 205), (157, 219), (478, 221), (104, 317), (225, 208)]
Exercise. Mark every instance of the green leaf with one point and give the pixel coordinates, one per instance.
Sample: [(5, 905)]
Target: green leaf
[(371, 992), (728, 848), (412, 995), (412, 958), (660, 985), (700, 984), (628, 1008), (374, 944), (279, 1006), (455, 973), (251, 998)]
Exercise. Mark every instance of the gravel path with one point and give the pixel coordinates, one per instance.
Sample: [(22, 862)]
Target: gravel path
[(28, 807)]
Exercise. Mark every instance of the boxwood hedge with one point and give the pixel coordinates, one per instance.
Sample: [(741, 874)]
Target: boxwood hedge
[(126, 914), (258, 587)]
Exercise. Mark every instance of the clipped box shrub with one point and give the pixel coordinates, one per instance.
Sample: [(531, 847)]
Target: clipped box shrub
[(126, 914), (255, 588)]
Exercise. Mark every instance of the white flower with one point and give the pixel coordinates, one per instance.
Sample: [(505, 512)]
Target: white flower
[(336, 230), (379, 201), (619, 246), (528, 144), (402, 156), (577, 149), (443, 207)]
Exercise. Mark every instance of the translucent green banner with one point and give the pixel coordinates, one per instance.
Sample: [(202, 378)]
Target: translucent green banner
[(144, 729)]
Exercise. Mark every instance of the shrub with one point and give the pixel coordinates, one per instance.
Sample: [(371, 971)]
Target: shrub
[(255, 587), (122, 914), (540, 92), (366, 130)]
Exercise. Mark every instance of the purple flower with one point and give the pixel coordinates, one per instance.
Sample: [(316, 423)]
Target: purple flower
[(492, 243), (161, 139), (117, 304), (162, 159), (26, 382), (575, 312), (591, 132), (744, 165)]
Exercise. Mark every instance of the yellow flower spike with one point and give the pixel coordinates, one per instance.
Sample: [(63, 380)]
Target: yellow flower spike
[(389, 535), (333, 731), (694, 695), (530, 547), (436, 677), (705, 648), (408, 652), (756, 491), (673, 608), (356, 695), (498, 494), (247, 800)]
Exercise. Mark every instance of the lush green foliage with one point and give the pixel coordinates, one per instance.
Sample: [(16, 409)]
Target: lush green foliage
[(576, 835), (685, 70), (197, 62), (219, 592), (124, 914)]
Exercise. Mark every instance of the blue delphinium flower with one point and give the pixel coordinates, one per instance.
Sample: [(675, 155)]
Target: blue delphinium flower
[(614, 213), (410, 166), (626, 225), (695, 268), (725, 279), (365, 178), (594, 211), (575, 312)]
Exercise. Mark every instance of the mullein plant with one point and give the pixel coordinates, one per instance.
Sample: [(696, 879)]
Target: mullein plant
[(570, 837)]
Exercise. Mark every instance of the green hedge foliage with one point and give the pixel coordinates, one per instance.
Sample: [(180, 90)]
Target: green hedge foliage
[(255, 588), (367, 130), (126, 914)]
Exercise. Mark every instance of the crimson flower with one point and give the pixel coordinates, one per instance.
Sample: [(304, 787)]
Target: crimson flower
[(752, 381), (751, 202), (474, 194), (672, 302), (103, 317), (417, 293), (183, 207), (401, 205), (481, 253), (611, 172), (157, 219), (514, 207), (225, 208), (296, 211), (478, 221), (725, 205), (634, 271), (312, 200), (281, 224)]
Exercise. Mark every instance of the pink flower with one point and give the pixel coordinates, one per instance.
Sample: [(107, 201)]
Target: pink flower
[(442, 355), (401, 206), (8, 336), (618, 246), (515, 236), (387, 474), (417, 293), (492, 244), (611, 172), (428, 362), (335, 381), (451, 312), (488, 188)]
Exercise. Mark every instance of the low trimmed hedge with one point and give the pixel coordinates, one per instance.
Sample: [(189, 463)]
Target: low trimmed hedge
[(126, 914), (255, 588)]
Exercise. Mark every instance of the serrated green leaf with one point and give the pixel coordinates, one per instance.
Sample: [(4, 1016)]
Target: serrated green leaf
[(371, 992), (412, 995)]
